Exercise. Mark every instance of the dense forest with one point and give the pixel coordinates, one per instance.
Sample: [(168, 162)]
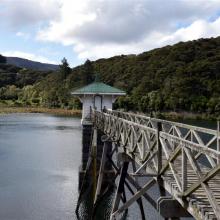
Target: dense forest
[(183, 77)]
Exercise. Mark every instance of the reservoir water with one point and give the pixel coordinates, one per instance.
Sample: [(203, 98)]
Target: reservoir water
[(39, 159)]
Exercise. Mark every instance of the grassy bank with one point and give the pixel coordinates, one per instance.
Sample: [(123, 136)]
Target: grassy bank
[(63, 112)]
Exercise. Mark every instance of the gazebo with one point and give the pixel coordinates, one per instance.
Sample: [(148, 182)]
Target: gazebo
[(96, 95)]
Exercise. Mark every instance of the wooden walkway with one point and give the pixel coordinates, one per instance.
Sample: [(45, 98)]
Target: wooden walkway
[(182, 159)]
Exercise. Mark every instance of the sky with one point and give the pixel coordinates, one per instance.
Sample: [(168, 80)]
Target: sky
[(48, 30)]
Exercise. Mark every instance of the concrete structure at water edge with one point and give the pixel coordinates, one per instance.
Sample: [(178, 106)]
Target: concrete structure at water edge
[(99, 96)]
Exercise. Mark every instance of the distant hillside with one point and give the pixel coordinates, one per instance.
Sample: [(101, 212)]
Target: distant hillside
[(182, 77), (11, 75), (25, 63)]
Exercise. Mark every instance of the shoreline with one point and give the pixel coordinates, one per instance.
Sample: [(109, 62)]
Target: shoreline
[(77, 113), (186, 116), (183, 115), (54, 111)]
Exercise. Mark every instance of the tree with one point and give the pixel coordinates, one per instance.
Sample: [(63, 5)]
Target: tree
[(87, 72), (11, 92), (28, 95), (2, 93), (2, 59), (155, 101), (65, 70)]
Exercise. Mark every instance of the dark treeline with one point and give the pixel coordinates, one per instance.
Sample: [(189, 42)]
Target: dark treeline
[(183, 77)]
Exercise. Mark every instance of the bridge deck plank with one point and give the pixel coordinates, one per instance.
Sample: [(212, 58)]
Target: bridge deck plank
[(200, 199)]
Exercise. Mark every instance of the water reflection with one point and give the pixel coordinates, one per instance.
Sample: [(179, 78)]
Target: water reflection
[(39, 160)]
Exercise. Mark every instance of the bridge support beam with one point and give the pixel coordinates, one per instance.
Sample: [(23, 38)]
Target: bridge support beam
[(124, 180), (86, 143), (120, 189), (96, 172), (105, 170), (87, 140)]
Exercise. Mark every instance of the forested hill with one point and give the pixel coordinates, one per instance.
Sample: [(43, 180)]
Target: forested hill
[(29, 64), (183, 77)]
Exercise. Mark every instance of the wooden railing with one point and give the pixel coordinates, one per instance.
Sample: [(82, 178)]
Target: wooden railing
[(186, 157)]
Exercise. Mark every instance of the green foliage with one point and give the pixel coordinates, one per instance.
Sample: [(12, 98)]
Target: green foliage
[(2, 59), (65, 70), (87, 72), (183, 77), (11, 92), (28, 95), (12, 75)]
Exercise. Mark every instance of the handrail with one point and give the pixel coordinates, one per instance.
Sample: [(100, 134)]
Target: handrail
[(144, 117), (157, 145)]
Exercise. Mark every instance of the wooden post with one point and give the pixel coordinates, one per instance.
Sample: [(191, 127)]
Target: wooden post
[(184, 170), (218, 147), (159, 148), (134, 198), (120, 188), (101, 172), (94, 164), (139, 201), (90, 113)]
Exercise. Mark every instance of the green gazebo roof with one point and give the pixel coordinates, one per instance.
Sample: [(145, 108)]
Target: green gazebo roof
[(98, 88)]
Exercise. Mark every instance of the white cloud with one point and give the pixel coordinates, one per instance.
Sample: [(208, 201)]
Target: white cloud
[(98, 28), (20, 13), (29, 56), (23, 35), (73, 14), (103, 28), (198, 29)]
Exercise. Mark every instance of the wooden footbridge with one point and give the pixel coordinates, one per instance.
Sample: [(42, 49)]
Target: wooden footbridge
[(138, 153), (182, 159)]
